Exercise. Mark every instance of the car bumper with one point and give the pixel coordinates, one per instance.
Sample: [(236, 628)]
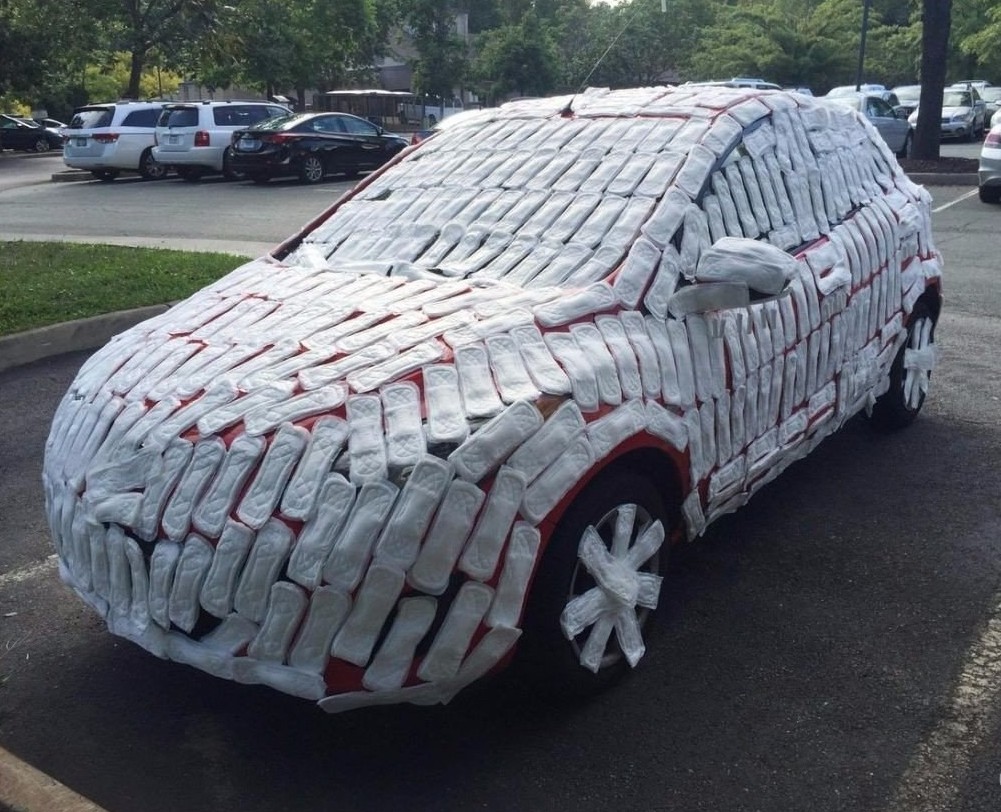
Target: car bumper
[(956, 129), (989, 171)]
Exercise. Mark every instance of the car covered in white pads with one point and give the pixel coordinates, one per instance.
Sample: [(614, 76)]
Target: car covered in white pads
[(469, 408)]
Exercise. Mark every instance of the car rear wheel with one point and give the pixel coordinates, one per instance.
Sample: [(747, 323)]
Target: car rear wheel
[(227, 170), (594, 597), (311, 169), (106, 175), (150, 168), (990, 194), (42, 145), (910, 374)]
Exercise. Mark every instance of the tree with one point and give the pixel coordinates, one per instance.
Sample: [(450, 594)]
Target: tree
[(934, 52), (519, 59), (143, 27), (442, 62)]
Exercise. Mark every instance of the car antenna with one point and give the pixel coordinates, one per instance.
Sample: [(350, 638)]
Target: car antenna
[(567, 111)]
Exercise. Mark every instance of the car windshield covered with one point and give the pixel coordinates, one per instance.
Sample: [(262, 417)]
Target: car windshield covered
[(957, 98), (87, 117)]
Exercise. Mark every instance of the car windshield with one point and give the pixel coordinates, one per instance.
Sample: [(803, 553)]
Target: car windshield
[(991, 94), (956, 98), (908, 94)]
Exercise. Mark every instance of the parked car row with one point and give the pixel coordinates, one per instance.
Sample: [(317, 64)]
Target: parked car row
[(27, 135), (253, 139)]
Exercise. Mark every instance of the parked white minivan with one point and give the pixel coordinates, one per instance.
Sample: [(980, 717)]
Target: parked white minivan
[(194, 137), (110, 138)]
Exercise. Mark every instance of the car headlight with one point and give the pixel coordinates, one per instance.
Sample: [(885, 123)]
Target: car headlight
[(963, 116)]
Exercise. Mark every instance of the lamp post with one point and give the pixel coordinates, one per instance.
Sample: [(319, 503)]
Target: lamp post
[(861, 47)]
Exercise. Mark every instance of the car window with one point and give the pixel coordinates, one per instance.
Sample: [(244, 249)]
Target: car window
[(326, 124), (141, 118), (357, 126), (991, 94), (240, 115), (178, 117), (877, 108), (92, 117)]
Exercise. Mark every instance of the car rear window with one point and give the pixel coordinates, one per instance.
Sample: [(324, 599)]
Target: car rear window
[(178, 117), (86, 118), (141, 118)]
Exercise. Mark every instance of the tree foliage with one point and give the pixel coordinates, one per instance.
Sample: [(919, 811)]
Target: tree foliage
[(60, 52)]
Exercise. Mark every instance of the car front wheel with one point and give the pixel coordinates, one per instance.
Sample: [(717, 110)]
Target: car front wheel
[(150, 168), (910, 374), (598, 585), (42, 145), (311, 169)]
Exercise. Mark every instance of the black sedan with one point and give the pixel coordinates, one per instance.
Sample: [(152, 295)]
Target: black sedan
[(16, 133), (311, 146)]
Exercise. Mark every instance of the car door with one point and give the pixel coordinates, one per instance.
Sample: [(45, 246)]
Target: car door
[(16, 134), (367, 143), (881, 115)]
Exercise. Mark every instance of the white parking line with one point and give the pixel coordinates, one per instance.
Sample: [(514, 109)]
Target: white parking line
[(959, 199), (28, 572), (941, 763)]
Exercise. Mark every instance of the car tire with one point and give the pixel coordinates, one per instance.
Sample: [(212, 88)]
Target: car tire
[(547, 658), (311, 168), (905, 149), (990, 194), (227, 171), (189, 173), (899, 406), (41, 145), (105, 175), (150, 168)]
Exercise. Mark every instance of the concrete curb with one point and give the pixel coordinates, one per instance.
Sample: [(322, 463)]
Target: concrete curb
[(25, 789), (81, 334), (945, 179)]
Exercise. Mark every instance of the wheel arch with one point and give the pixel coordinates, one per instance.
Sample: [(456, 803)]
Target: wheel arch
[(646, 455)]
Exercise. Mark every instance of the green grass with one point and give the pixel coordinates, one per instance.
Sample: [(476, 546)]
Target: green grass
[(46, 283)]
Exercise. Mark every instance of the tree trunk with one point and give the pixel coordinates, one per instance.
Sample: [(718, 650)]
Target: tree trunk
[(937, 16), (135, 74)]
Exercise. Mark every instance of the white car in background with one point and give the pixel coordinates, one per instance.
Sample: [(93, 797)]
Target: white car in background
[(963, 113), (194, 137), (989, 172), (108, 139)]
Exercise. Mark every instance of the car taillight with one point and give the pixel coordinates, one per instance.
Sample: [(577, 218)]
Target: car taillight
[(993, 139), (106, 138), (276, 138), (201, 138)]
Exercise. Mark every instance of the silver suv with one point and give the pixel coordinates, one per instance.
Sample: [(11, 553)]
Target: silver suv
[(194, 137), (110, 138)]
